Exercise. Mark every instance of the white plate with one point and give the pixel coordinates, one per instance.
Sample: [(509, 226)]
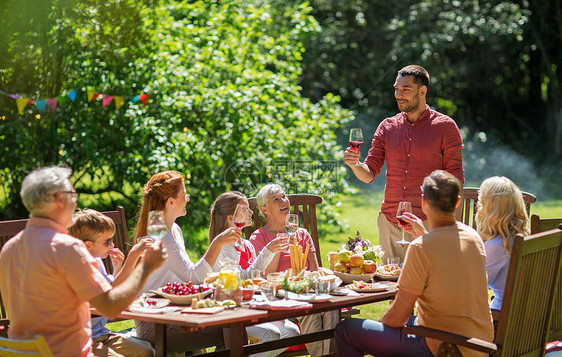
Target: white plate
[(308, 297), (348, 278), (375, 287), (388, 277), (153, 310)]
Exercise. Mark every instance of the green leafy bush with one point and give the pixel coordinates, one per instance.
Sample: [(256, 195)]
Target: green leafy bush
[(225, 106)]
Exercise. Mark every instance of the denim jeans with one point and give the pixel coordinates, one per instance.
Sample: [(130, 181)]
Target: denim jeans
[(357, 337)]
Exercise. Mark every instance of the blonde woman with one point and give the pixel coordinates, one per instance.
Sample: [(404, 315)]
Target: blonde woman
[(501, 215)]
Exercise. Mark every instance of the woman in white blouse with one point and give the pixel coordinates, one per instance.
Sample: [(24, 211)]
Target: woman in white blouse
[(221, 220), (165, 191)]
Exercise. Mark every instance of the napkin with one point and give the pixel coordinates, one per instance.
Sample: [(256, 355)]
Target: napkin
[(348, 292), (280, 305)]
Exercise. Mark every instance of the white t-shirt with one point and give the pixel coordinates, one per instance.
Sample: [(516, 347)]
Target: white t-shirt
[(177, 267)]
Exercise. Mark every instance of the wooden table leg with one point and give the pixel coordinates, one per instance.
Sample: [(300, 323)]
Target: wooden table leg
[(160, 340), (237, 340)]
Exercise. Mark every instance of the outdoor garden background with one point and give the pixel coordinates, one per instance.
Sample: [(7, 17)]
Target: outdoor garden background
[(238, 93)]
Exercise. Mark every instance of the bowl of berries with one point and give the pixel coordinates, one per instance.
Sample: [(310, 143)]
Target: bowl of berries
[(183, 293)]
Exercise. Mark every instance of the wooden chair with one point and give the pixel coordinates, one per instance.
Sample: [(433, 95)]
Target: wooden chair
[(528, 302), (121, 238), (469, 205), (17, 348), (302, 204), (543, 224)]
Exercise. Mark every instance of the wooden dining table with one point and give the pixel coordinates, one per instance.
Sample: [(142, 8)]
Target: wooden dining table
[(238, 318)]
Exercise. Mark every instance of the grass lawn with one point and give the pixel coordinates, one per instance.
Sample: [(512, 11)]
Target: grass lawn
[(359, 213)]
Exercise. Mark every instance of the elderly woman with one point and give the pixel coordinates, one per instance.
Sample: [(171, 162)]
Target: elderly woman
[(501, 215), (166, 191), (274, 206), (221, 219)]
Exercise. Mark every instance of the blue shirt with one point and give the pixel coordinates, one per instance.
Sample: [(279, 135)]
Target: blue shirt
[(497, 266), (98, 323)]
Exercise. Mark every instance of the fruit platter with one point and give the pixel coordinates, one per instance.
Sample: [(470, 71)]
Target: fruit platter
[(355, 260), (183, 293), (389, 272)]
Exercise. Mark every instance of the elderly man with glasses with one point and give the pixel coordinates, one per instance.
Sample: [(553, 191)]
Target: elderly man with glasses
[(49, 278)]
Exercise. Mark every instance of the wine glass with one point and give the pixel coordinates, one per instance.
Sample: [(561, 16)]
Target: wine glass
[(156, 225), (403, 207), (356, 139), (239, 218), (292, 223)]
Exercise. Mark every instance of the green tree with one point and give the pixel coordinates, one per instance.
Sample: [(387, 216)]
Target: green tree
[(225, 108), (494, 64)]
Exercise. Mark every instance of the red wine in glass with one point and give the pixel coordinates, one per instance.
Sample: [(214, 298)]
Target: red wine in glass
[(239, 225), (403, 207), (355, 138), (355, 145), (240, 217)]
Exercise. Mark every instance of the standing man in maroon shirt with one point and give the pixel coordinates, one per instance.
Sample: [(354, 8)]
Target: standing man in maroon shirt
[(414, 143)]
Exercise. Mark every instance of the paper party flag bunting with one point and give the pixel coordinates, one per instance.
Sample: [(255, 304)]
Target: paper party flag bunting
[(72, 95), (52, 104), (144, 98), (92, 95), (21, 102), (41, 104), (107, 99), (119, 101), (62, 99)]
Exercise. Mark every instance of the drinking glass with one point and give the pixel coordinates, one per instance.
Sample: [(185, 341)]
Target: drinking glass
[(274, 280), (356, 140), (240, 217), (286, 236), (403, 207), (292, 223), (156, 225)]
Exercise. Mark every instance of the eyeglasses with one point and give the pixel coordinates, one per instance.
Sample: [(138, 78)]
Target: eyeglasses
[(108, 243)]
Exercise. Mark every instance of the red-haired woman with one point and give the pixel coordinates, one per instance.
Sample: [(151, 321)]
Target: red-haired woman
[(165, 191)]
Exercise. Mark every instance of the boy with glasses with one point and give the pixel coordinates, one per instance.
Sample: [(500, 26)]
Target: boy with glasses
[(97, 231)]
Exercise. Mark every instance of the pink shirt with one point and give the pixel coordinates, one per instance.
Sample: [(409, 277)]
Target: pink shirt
[(47, 279), (412, 152), (260, 238)]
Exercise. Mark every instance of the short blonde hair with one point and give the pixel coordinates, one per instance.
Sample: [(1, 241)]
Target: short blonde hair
[(501, 210), (90, 225)]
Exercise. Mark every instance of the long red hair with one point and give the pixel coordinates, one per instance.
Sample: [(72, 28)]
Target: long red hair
[(156, 192)]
